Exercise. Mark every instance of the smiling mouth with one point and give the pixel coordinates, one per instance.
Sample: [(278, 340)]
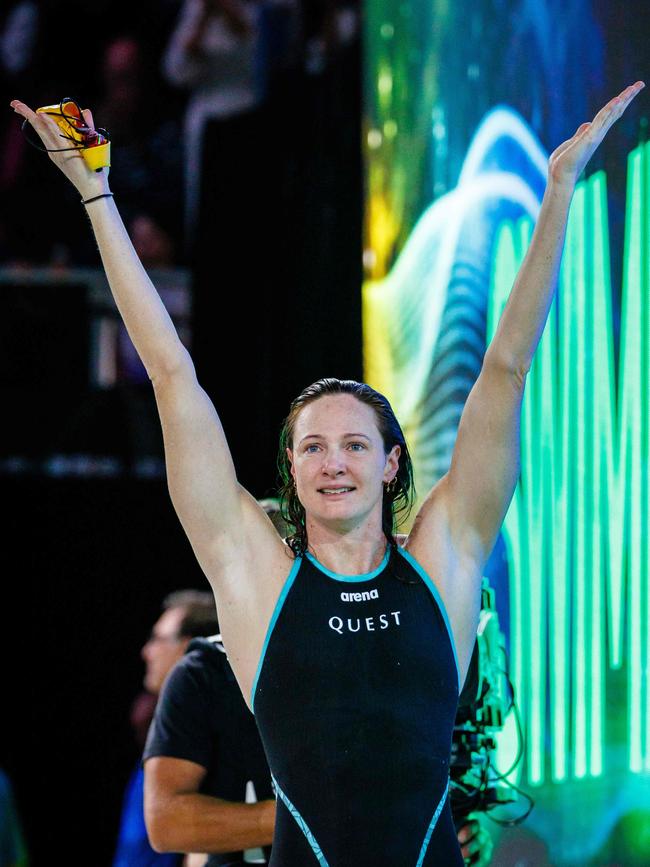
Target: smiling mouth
[(331, 492)]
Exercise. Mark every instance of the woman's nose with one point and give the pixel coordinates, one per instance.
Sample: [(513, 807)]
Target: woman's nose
[(333, 464)]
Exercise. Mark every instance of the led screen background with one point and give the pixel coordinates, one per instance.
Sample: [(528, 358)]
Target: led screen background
[(463, 104)]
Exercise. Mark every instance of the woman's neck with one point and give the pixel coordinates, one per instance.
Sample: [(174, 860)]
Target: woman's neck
[(351, 552)]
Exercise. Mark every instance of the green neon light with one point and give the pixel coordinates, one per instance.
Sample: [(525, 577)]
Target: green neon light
[(645, 446), (600, 345), (633, 293), (584, 490), (579, 587)]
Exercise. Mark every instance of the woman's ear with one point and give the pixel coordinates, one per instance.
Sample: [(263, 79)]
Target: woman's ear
[(290, 459), (392, 463)]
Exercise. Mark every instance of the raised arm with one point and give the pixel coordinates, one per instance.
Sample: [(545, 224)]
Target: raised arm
[(215, 512), (469, 503)]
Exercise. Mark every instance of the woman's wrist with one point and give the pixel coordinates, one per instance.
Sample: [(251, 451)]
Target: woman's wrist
[(107, 195), (560, 189), (96, 185), (561, 179)]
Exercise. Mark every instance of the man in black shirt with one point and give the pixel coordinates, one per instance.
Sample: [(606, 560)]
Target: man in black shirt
[(186, 614), (207, 783)]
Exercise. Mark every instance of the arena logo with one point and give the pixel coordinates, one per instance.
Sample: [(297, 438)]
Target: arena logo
[(360, 597)]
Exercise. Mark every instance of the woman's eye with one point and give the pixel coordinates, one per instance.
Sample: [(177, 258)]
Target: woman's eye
[(356, 447), (310, 449)]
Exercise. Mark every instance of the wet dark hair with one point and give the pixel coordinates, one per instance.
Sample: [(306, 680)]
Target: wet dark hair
[(398, 495)]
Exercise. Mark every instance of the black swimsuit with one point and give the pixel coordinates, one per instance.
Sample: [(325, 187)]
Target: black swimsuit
[(355, 698)]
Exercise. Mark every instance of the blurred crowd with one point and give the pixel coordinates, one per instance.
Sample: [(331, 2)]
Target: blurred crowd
[(236, 166), (164, 77)]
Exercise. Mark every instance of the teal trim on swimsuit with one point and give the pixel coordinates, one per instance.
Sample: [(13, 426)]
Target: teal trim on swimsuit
[(432, 825), (304, 827), (368, 576), (276, 613), (441, 605)]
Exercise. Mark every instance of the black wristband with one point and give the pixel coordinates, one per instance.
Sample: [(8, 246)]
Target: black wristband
[(94, 198)]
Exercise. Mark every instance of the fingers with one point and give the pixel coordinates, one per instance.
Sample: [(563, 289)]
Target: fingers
[(631, 91), (42, 123), (608, 114), (615, 107), (589, 136), (23, 110), (468, 831), (471, 851), (467, 837), (624, 98), (60, 150), (476, 843), (88, 118)]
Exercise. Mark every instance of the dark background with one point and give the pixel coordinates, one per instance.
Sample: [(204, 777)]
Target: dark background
[(87, 560)]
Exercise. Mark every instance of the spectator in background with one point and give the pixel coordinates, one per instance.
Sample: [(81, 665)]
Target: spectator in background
[(328, 27), (211, 53), (223, 52), (153, 243), (186, 615), (203, 762)]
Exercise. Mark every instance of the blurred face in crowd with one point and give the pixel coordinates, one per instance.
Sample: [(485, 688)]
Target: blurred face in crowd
[(164, 648), (122, 66), (152, 244)]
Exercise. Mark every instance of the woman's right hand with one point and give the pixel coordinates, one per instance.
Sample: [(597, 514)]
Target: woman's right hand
[(88, 182)]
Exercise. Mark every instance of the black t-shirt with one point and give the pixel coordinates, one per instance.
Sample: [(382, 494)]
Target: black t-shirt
[(201, 717)]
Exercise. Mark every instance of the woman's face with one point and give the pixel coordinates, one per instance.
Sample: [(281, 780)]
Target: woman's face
[(338, 461)]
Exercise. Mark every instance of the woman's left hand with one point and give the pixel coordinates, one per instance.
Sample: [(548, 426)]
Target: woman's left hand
[(567, 162)]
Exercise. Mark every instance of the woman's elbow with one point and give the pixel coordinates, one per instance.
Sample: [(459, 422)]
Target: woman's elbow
[(514, 367), (170, 367)]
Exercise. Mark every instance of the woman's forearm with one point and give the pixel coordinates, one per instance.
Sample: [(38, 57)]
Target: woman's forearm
[(147, 321), (522, 322)]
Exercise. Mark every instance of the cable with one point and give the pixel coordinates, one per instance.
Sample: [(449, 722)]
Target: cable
[(476, 782)]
